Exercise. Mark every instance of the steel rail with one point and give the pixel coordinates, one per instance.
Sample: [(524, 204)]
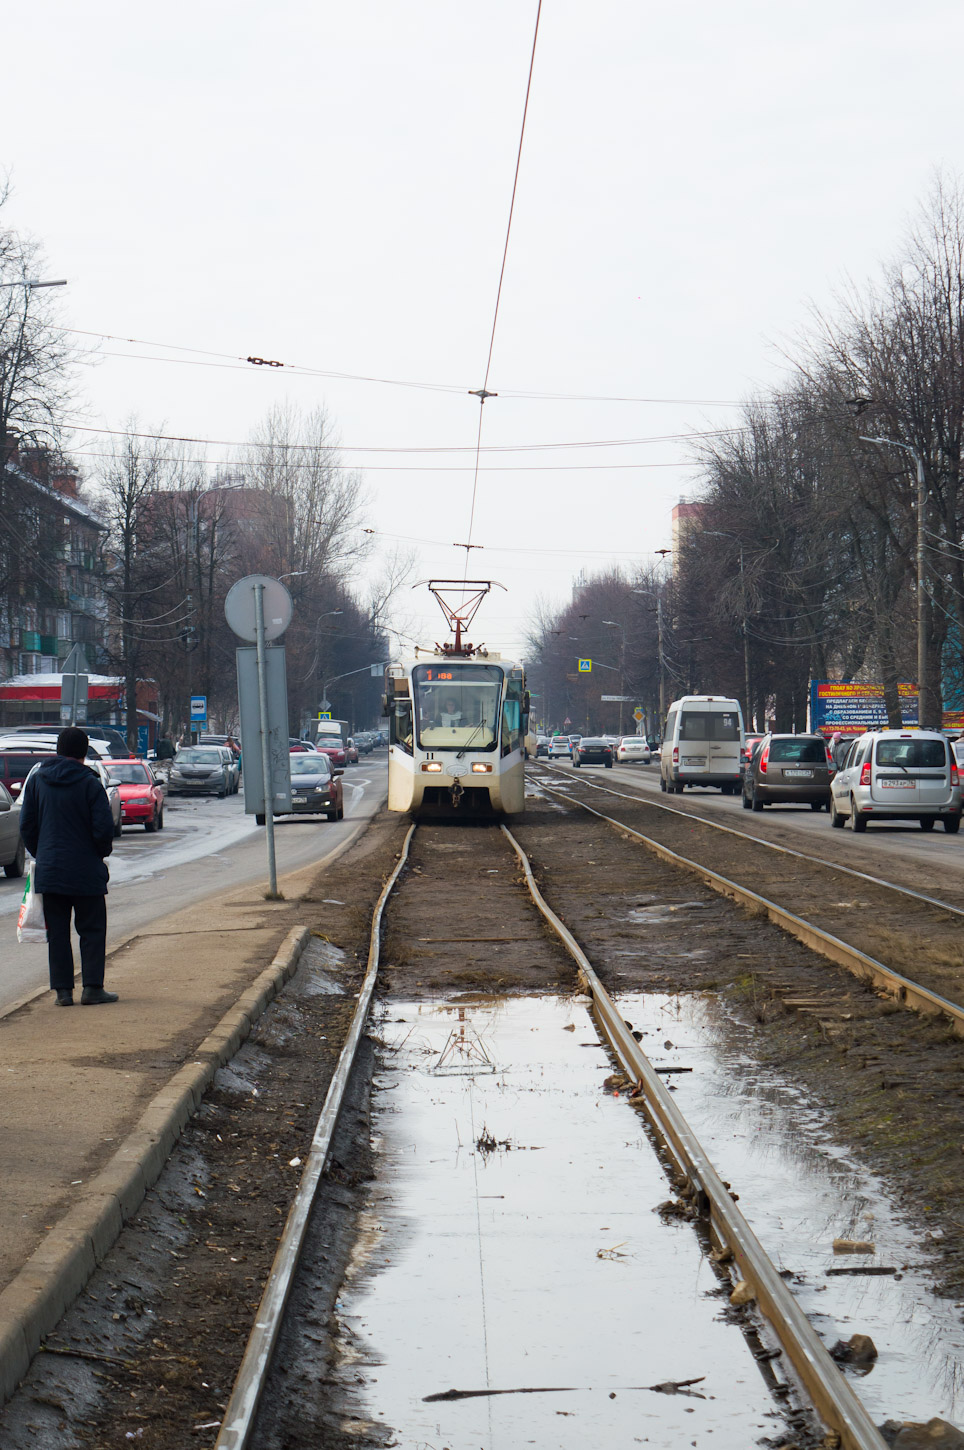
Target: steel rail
[(909, 993), (239, 1417), (772, 846), (830, 1392)]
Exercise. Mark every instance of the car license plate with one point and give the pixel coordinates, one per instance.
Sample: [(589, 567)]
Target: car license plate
[(799, 774), (896, 784), (694, 759), (299, 800)]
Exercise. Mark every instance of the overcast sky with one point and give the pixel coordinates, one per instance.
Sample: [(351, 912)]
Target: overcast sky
[(328, 184)]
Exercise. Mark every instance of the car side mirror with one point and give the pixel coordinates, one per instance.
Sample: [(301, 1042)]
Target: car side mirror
[(6, 805), (338, 771)]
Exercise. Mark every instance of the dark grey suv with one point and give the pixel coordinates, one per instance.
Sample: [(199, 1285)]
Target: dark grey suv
[(786, 769)]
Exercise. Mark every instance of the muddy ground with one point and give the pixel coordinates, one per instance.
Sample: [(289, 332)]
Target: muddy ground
[(149, 1353), (919, 940)]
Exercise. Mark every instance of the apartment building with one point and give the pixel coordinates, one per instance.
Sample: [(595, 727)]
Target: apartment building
[(51, 594)]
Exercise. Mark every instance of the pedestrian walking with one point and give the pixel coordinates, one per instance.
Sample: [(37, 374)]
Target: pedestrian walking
[(67, 826)]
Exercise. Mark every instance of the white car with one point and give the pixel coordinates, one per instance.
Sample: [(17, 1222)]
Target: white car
[(113, 794), (634, 748), (560, 746), (897, 775)]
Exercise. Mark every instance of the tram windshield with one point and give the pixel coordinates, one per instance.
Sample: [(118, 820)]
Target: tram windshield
[(457, 706)]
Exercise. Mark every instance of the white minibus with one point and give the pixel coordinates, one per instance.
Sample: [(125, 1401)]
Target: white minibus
[(702, 744)]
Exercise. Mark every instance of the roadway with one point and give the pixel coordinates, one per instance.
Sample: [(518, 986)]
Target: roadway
[(882, 850), (207, 846)]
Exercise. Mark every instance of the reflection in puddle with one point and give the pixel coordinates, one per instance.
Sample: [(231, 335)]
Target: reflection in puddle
[(511, 1244), (800, 1192), (662, 912)]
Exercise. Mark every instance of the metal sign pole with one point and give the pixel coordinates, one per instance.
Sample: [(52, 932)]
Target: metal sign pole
[(265, 752)]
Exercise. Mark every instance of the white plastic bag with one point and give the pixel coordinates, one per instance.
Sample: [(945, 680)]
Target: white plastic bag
[(31, 927)]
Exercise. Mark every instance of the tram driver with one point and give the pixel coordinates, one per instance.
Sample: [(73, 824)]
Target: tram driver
[(450, 713)]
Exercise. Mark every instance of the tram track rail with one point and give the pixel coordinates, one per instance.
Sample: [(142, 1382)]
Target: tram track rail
[(830, 1393), (903, 989)]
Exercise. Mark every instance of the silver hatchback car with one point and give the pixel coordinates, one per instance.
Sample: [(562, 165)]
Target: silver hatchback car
[(897, 775)]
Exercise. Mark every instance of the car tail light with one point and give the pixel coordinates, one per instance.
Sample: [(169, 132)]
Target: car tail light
[(676, 755), (865, 773), (764, 758), (830, 759), (955, 778)]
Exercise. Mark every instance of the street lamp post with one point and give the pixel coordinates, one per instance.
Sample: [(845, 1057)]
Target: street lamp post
[(720, 534), (651, 594), (924, 710)]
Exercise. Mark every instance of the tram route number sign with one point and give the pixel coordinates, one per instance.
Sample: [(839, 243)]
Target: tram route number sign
[(585, 667)]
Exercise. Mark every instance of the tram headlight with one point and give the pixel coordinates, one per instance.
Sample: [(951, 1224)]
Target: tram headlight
[(479, 767), (432, 765)]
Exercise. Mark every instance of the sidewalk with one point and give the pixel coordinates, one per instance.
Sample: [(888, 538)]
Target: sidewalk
[(91, 1099)]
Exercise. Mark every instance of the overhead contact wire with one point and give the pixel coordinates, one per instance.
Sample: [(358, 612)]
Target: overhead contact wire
[(498, 295)]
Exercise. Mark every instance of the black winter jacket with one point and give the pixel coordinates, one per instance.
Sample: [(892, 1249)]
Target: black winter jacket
[(67, 826)]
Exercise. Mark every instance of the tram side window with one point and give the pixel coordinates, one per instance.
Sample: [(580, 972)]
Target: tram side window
[(512, 736), (400, 723)]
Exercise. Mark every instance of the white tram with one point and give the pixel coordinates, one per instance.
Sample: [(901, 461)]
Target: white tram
[(457, 725)]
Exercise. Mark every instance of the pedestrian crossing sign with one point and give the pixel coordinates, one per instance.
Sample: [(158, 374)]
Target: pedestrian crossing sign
[(585, 667)]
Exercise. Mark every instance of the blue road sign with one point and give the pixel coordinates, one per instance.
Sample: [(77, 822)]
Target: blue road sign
[(585, 667)]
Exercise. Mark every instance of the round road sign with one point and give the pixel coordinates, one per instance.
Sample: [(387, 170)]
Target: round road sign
[(239, 607)]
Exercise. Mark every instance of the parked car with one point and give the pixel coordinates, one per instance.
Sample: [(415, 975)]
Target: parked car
[(788, 768), (593, 751), (365, 741), (560, 748), (16, 765), (634, 748), (94, 763), (316, 788), (141, 794), (198, 770), (232, 765), (13, 854), (42, 744), (112, 740), (351, 751), (897, 775), (227, 740)]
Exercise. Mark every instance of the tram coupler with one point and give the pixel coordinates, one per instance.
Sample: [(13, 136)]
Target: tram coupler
[(457, 794)]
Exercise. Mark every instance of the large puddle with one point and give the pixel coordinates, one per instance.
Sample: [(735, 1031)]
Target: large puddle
[(800, 1192), (512, 1249)]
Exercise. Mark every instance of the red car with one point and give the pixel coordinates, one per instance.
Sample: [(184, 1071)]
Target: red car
[(335, 753), (142, 797)]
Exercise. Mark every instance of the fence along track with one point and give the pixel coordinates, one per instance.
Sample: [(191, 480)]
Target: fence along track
[(239, 1417), (830, 1393), (773, 846), (906, 991)]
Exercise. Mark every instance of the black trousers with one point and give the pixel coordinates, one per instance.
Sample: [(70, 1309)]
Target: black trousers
[(90, 918)]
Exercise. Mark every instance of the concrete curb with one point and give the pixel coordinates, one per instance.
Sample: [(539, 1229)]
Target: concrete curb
[(32, 1303)]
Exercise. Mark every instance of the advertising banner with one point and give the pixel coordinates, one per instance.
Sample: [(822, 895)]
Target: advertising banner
[(853, 708)]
